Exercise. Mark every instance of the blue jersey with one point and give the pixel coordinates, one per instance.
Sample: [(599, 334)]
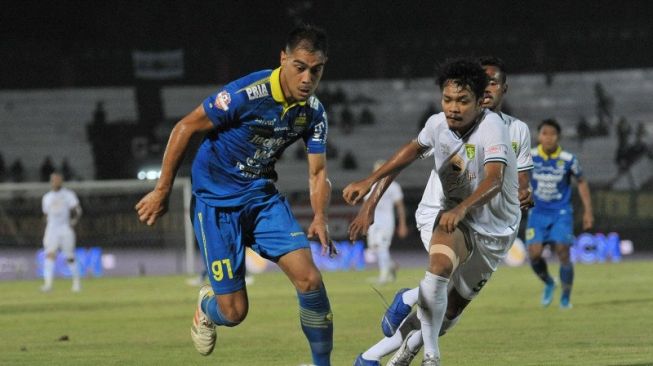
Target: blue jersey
[(253, 125), (551, 178)]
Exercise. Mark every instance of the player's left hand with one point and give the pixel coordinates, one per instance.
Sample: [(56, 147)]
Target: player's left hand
[(526, 199), (449, 219), (320, 229), (361, 223), (588, 221)]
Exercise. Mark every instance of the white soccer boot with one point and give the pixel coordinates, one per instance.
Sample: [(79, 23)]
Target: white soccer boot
[(203, 330), (404, 355), (430, 360)]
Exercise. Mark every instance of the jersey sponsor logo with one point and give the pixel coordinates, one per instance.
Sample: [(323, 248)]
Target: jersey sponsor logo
[(300, 120), (314, 103), (496, 149), (222, 100), (256, 91), (470, 149)]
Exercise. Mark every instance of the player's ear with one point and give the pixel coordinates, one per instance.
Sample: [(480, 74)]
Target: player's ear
[(505, 88), (283, 57)]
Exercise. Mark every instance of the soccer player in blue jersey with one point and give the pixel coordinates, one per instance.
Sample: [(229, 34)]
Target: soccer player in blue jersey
[(551, 220), (246, 126)]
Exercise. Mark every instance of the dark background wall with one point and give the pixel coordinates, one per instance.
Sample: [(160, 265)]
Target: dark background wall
[(89, 43)]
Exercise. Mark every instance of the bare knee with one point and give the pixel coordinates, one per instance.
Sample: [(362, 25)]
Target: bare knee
[(563, 253), (441, 265), (308, 281), (535, 252)]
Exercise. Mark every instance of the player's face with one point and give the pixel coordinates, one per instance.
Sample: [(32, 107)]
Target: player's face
[(460, 106), (56, 181), (301, 72), (548, 138), (495, 90)]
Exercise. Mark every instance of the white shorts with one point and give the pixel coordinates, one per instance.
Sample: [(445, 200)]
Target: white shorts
[(59, 238), (487, 253), (380, 236)]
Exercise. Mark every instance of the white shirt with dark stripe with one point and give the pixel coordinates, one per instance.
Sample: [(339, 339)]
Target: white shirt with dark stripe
[(460, 161)]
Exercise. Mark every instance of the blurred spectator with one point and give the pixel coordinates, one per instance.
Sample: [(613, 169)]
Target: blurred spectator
[(17, 172), (347, 120), (623, 137), (604, 105), (47, 168), (366, 117), (99, 115), (349, 161), (331, 150), (583, 130), (67, 172), (3, 169), (339, 96)]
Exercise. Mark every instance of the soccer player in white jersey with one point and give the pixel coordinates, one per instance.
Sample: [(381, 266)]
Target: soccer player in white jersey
[(379, 236), (62, 211), (425, 216), (480, 212)]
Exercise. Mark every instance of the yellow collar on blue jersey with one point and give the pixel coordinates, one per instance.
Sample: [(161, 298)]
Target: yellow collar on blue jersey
[(554, 155), (277, 91)]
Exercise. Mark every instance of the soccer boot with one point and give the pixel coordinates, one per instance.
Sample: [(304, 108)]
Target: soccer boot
[(404, 355), (565, 303), (360, 361), (395, 314), (547, 294), (203, 330), (430, 360)]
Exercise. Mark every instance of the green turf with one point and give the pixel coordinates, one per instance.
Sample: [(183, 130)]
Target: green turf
[(145, 321)]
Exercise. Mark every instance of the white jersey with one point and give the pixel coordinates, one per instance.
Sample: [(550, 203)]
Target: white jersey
[(431, 203), (459, 164), (57, 206), (384, 215)]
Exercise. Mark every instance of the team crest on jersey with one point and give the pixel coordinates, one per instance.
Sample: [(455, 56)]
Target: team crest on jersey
[(470, 149), (560, 163), (514, 146), (300, 120), (222, 100), (256, 91)]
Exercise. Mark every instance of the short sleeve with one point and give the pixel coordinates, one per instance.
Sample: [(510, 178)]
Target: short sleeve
[(524, 157), (72, 199), (222, 106), (427, 135), (495, 141), (315, 137), (575, 167)]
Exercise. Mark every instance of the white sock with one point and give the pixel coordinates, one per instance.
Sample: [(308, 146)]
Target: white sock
[(385, 263), (48, 271), (384, 347), (74, 271), (432, 305), (415, 341), (410, 297)]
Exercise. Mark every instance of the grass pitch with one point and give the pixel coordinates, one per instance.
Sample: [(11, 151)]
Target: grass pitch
[(146, 321)]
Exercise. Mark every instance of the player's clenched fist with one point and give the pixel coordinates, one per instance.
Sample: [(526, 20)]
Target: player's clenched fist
[(152, 206)]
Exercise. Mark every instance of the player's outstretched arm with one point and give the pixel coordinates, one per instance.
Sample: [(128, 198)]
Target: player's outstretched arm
[(355, 191), (155, 203), (584, 193), (489, 187), (365, 217), (320, 193)]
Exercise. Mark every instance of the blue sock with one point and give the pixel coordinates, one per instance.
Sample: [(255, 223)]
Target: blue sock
[(541, 270), (317, 323), (566, 278), (211, 308)]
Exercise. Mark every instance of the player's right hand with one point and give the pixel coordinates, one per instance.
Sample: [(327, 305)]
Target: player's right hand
[(361, 223), (354, 192), (152, 206)]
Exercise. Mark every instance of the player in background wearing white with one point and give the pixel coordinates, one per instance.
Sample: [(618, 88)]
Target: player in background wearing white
[(62, 212), (480, 212), (380, 233), (425, 215)]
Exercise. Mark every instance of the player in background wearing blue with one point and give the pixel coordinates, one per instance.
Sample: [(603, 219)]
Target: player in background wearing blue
[(246, 127), (552, 218)]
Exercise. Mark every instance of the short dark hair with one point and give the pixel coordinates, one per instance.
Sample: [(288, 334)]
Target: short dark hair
[(309, 37), (549, 122), (463, 72), (496, 62)]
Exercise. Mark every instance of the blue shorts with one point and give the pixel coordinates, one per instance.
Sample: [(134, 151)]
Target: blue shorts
[(266, 225), (550, 227)]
